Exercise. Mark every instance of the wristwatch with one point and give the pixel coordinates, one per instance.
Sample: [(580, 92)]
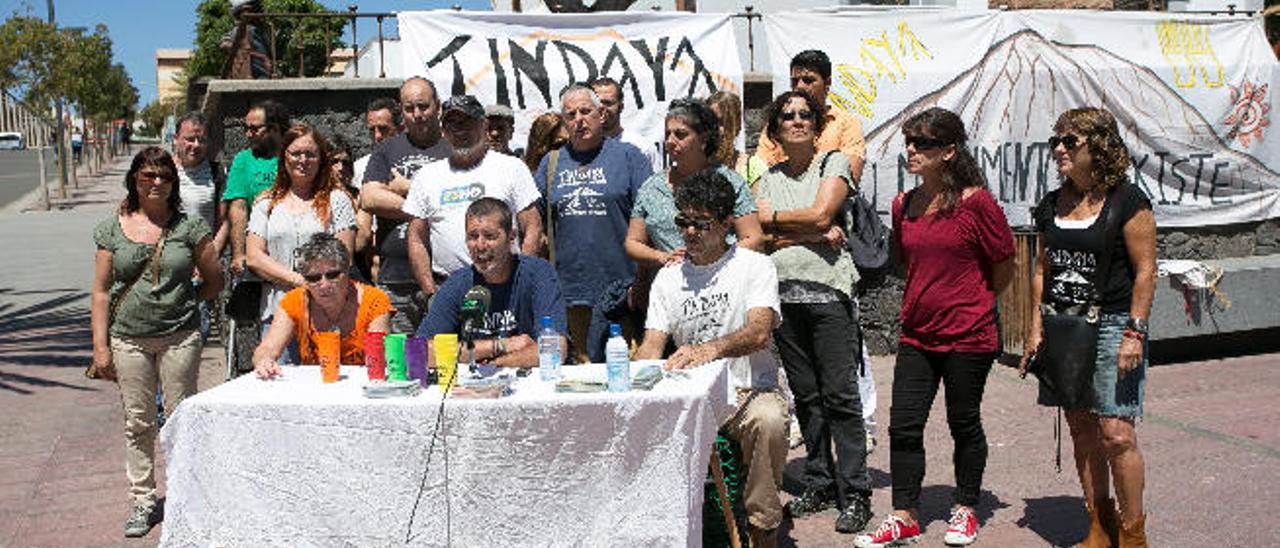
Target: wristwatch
[(500, 347), (1138, 325)]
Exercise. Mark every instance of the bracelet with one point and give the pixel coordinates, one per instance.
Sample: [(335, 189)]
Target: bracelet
[(499, 347), (774, 220), (1132, 334)]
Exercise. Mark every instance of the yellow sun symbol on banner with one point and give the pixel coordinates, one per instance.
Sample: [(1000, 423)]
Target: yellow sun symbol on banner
[(1249, 113)]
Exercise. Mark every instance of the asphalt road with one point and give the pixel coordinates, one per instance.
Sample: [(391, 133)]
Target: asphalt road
[(20, 174)]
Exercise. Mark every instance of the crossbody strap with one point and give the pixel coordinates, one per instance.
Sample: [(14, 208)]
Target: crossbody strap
[(153, 264), (552, 160)]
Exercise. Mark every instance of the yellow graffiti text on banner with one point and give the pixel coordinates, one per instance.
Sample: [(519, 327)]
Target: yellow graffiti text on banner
[(1187, 48), (860, 78)]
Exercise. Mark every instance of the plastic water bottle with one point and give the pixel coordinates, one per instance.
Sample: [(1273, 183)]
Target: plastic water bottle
[(617, 360), (548, 351)]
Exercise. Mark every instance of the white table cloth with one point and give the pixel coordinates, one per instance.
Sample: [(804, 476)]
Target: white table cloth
[(295, 462)]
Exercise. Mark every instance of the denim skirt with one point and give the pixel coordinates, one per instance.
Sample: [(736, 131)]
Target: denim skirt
[(1115, 396)]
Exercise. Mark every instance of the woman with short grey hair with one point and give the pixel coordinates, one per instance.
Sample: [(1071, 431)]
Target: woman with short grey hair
[(329, 300)]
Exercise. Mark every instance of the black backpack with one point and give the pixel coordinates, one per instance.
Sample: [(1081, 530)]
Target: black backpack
[(867, 237)]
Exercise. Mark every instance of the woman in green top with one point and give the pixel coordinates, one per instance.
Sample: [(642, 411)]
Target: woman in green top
[(692, 137), (797, 201), (145, 325)]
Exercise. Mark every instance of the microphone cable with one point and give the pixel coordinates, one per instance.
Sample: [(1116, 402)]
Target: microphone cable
[(426, 468)]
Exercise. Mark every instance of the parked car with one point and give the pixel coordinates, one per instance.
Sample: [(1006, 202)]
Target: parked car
[(12, 140)]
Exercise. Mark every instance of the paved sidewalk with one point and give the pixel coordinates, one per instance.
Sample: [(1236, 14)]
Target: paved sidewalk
[(1211, 446)]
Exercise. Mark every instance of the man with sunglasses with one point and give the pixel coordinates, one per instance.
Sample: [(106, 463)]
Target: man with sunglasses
[(253, 170), (721, 302), (442, 190)]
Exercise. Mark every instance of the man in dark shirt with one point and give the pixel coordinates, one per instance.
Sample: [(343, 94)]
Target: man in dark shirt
[(522, 290), (386, 183)]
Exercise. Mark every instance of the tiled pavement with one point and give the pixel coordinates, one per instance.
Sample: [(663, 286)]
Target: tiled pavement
[(1210, 438)]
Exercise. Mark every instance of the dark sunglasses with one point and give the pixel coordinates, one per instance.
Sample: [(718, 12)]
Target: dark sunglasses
[(684, 222), (330, 275), (925, 143), (793, 114), (1070, 142)]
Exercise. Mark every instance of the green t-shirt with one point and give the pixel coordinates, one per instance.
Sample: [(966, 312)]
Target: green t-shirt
[(249, 176), (154, 306), (816, 263)]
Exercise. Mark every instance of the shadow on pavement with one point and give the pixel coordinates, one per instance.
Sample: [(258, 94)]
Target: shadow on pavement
[(1060, 521), (53, 332)]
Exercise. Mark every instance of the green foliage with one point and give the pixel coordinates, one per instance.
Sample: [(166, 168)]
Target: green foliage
[(153, 115), (213, 21), (43, 63)]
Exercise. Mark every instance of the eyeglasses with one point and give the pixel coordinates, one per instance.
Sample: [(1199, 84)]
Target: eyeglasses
[(924, 143), (152, 176), (254, 129), (1069, 142), (683, 222), (303, 154), (790, 115), (331, 275)]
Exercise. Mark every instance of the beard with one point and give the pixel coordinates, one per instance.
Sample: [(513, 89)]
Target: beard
[(265, 146), (469, 155)]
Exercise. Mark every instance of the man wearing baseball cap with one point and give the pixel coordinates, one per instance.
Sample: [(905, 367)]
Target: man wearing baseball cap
[(442, 190)]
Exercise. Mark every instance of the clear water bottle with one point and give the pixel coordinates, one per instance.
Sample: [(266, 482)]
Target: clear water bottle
[(548, 351), (617, 360)]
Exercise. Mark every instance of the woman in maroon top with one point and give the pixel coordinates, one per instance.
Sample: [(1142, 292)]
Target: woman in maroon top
[(956, 245)]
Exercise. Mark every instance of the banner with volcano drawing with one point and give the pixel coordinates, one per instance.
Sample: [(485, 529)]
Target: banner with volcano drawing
[(1193, 96)]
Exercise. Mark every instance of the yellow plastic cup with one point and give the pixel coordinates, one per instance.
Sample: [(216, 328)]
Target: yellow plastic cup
[(445, 346)]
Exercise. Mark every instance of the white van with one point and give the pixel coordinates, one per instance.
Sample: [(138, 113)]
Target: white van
[(11, 140)]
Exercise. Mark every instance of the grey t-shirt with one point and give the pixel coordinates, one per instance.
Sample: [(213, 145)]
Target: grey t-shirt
[(817, 266), (400, 154)]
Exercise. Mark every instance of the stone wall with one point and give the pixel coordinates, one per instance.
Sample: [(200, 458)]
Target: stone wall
[(334, 106)]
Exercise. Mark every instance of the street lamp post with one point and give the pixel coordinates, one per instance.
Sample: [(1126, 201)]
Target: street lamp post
[(59, 130)]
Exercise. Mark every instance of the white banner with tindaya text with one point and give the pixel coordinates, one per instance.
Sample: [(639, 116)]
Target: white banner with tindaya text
[(1193, 96), (525, 60)]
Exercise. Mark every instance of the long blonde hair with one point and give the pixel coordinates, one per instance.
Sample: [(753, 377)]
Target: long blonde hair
[(544, 136), (728, 107)]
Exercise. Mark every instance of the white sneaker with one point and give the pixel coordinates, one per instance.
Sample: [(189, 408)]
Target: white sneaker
[(871, 443), (962, 528), (795, 438)]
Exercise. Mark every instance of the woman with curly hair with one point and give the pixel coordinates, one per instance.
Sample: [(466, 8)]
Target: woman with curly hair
[(692, 138), (305, 199), (956, 245), (1093, 165), (146, 327)]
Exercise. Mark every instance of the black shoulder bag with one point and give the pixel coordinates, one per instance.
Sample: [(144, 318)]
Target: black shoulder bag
[(1068, 353)]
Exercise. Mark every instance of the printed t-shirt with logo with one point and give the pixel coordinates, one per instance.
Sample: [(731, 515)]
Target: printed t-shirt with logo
[(441, 194), (592, 198), (402, 155), (697, 304), (516, 307)]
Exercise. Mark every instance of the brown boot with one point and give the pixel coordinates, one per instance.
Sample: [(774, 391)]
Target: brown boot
[(1134, 535), (1104, 526), (762, 538)]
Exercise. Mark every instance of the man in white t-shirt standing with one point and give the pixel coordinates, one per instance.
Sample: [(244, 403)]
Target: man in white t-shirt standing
[(442, 190), (722, 303)]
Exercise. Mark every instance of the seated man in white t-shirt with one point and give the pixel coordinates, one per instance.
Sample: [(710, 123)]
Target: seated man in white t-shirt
[(722, 303)]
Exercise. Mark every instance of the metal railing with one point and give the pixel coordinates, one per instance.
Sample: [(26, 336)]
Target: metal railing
[(270, 19)]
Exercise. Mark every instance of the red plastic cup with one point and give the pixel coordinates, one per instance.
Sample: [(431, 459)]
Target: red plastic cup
[(375, 359)]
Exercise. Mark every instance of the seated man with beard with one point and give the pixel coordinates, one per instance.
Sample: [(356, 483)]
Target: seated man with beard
[(442, 190), (522, 291)]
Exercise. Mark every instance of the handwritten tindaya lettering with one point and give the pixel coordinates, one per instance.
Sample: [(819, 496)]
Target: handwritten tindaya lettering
[(1187, 48), (879, 57)]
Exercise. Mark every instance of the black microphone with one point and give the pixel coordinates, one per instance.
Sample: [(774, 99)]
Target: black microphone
[(475, 304)]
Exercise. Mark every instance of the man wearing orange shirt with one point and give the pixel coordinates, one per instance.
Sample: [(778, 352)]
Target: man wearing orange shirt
[(811, 75)]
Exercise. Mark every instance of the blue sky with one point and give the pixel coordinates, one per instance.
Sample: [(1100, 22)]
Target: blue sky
[(139, 27)]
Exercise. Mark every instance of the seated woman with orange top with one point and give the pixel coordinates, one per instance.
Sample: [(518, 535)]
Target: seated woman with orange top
[(329, 301)]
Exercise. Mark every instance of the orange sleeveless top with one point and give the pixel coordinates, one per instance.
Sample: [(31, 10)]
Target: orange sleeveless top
[(373, 303)]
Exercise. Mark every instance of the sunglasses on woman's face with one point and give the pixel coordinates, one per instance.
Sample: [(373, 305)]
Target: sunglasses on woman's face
[(683, 222), (790, 115), (924, 143), (1069, 142), (331, 275)]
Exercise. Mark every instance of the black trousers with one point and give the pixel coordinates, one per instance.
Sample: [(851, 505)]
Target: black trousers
[(915, 383), (818, 344)]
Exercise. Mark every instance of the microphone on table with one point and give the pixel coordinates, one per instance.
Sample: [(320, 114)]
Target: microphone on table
[(475, 303)]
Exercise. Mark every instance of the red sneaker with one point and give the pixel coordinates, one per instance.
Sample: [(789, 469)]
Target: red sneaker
[(962, 528), (893, 531)]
